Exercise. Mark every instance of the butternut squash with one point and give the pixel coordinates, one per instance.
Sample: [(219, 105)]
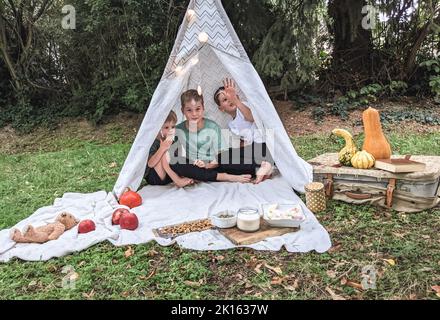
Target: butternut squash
[(375, 141)]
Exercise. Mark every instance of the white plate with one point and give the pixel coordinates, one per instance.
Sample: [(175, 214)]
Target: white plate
[(283, 223)]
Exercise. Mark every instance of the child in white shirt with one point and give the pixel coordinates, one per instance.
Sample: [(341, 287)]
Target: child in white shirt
[(243, 125)]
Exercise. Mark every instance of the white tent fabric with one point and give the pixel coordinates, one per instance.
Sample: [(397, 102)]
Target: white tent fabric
[(192, 63)]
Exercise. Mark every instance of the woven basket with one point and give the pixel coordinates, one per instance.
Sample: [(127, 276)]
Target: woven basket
[(315, 197)]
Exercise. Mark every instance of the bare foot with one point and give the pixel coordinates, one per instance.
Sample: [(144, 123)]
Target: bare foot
[(245, 178), (264, 172), (184, 182)]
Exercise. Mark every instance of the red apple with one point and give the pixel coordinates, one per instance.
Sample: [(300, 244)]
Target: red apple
[(129, 221), (86, 226), (117, 215), (130, 199)]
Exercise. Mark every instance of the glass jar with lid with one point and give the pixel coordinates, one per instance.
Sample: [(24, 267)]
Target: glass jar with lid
[(248, 219)]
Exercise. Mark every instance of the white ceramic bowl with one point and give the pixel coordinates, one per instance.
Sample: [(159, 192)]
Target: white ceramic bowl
[(224, 223)]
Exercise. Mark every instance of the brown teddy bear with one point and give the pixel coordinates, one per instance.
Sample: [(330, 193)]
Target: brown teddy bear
[(65, 221)]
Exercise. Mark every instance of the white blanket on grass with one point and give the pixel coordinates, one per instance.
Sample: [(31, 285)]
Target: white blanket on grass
[(164, 206)]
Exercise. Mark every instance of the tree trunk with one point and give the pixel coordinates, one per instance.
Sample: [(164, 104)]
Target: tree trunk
[(352, 44), (6, 57), (410, 61)]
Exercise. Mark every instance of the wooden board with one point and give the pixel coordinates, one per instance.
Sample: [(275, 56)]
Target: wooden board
[(239, 237)]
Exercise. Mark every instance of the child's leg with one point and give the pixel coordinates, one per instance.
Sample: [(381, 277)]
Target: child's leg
[(157, 176), (242, 162), (226, 177), (160, 170), (181, 182), (183, 168)]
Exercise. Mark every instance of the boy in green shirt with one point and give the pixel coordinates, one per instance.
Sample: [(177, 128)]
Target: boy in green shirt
[(203, 142)]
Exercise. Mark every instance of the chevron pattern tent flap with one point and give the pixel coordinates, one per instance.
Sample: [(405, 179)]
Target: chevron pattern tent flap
[(209, 17)]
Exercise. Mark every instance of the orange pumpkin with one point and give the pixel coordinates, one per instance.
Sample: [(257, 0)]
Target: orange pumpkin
[(130, 199), (375, 141)]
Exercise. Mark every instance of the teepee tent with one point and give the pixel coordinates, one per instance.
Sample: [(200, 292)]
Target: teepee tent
[(206, 51)]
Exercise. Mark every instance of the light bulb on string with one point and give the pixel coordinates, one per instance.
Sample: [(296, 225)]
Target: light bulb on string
[(203, 37), (199, 90), (179, 70), (190, 15)]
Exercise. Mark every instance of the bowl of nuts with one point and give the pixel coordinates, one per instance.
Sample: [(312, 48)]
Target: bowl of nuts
[(224, 219)]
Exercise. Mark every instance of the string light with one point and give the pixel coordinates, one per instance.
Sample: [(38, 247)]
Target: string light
[(190, 14), (203, 37), (199, 90), (179, 70)]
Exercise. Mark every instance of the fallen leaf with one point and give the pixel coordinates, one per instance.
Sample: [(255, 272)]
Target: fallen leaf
[(81, 263), (276, 281), (248, 292), (248, 285), (346, 282), (193, 283), (436, 289), (277, 270), (399, 235), (251, 263), (426, 269), (52, 268), (74, 276), (290, 288), (32, 283), (89, 295), (391, 262), (258, 268), (125, 294), (355, 285), (333, 294), (331, 274), (149, 276), (152, 253), (335, 248), (343, 281), (129, 252), (113, 165), (220, 258)]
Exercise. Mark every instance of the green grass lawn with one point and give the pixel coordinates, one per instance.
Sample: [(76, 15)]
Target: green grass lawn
[(403, 248)]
